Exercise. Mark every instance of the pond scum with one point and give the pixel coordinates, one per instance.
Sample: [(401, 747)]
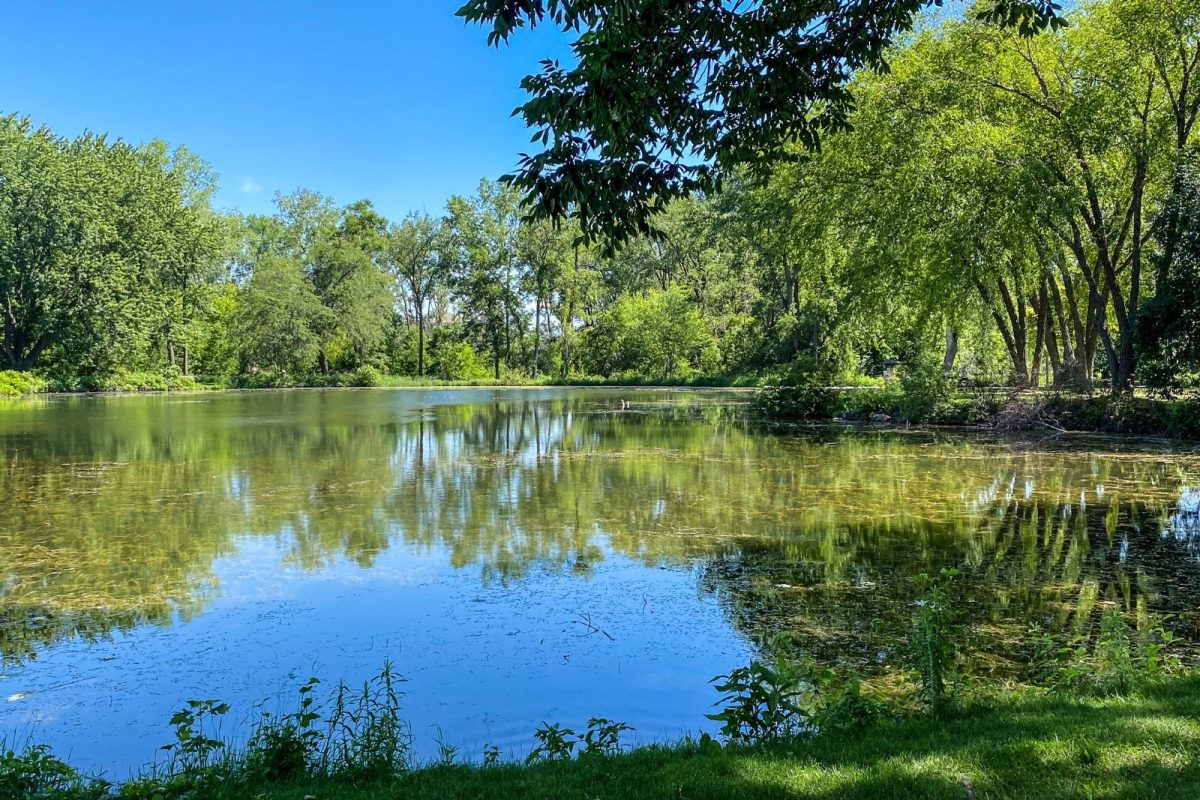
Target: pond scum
[(1112, 714)]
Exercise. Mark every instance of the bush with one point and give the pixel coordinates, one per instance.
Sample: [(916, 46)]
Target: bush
[(13, 383), (366, 376), (926, 392), (801, 391), (125, 381), (263, 379), (457, 361), (1121, 660)]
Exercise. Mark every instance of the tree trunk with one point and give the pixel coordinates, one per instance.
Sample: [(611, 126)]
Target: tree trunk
[(420, 342), (951, 350), (537, 333)]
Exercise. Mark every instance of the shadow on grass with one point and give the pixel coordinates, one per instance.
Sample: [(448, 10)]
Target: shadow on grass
[(1030, 747)]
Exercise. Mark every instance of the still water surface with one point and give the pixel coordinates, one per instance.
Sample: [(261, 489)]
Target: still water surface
[(528, 555)]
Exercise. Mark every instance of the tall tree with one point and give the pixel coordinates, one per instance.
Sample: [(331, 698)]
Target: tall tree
[(414, 255)]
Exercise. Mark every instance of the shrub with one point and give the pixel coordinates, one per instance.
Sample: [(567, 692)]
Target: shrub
[(802, 391), (125, 381), (766, 702), (13, 383), (925, 392), (457, 361), (263, 379), (366, 376)]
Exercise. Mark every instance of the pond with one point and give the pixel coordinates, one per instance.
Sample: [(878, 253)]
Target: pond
[(528, 555)]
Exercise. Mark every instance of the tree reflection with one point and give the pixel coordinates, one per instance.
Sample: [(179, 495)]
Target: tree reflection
[(117, 510)]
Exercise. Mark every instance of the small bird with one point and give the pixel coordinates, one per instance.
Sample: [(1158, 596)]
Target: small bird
[(624, 405)]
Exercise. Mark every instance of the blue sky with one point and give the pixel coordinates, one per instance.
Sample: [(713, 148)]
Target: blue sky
[(393, 100)]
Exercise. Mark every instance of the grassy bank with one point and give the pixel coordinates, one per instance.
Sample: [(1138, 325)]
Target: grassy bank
[(1005, 744)]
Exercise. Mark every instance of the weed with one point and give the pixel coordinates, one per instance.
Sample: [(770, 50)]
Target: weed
[(933, 641), (34, 774), (286, 747), (447, 753), (766, 701), (603, 736), (1120, 661), (555, 743), (366, 736)]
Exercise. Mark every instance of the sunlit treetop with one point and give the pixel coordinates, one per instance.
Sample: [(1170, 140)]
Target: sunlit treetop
[(664, 95)]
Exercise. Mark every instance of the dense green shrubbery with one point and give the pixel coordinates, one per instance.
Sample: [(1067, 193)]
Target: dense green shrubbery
[(366, 376), (13, 383), (813, 390), (170, 379), (34, 774), (802, 391)]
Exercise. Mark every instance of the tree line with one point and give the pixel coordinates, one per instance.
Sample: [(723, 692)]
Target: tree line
[(1016, 207)]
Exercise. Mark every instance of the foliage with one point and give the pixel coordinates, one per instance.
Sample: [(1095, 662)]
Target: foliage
[(925, 391), (556, 743), (655, 333), (366, 376), (366, 736), (933, 642), (34, 774), (1169, 323), (1001, 207), (661, 95), (803, 391), (14, 383), (768, 701), (286, 747), (1119, 659)]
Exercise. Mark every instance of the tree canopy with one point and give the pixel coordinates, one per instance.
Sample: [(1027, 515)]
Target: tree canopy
[(663, 95)]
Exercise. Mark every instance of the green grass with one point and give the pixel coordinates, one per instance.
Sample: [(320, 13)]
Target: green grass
[(1005, 745)]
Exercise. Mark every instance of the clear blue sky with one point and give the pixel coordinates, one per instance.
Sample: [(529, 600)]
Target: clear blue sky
[(393, 100)]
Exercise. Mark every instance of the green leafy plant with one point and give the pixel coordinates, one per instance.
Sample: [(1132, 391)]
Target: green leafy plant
[(802, 391), (34, 774), (366, 376), (286, 747), (603, 736), (768, 701), (1121, 659), (196, 747), (555, 743), (366, 736), (933, 649)]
